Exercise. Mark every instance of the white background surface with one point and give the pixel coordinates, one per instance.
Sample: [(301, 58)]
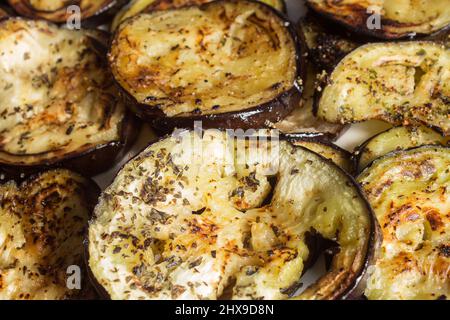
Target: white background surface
[(356, 134)]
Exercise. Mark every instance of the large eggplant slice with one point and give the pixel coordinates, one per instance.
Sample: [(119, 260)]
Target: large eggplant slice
[(399, 18), (410, 193), (397, 138), (93, 12), (58, 102), (302, 119), (401, 83), (140, 6), (195, 217), (42, 224), (229, 64)]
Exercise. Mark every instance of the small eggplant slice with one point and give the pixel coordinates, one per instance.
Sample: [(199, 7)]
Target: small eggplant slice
[(200, 216), (326, 43), (409, 191), (398, 19), (397, 138), (93, 12), (326, 149), (42, 224), (229, 64), (58, 103), (302, 119), (401, 83), (145, 6)]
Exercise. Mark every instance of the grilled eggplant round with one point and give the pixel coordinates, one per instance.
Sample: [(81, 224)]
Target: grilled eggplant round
[(326, 149), (397, 138), (410, 193), (401, 83), (42, 224), (229, 64), (145, 6), (93, 12), (397, 19), (195, 217), (58, 104)]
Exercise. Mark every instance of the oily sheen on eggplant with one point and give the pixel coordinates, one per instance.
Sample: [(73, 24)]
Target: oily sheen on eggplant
[(397, 138), (58, 103), (42, 224), (410, 194), (139, 6), (93, 12), (398, 19), (195, 218), (401, 83), (230, 64)]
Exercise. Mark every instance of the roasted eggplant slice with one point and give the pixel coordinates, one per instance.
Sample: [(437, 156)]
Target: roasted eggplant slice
[(410, 193), (145, 6), (93, 12), (397, 138), (58, 103), (302, 119), (400, 83), (229, 64), (326, 149), (42, 224), (194, 217), (398, 19), (326, 43)]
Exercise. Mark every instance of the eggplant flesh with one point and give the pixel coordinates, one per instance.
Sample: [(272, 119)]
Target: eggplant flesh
[(57, 11), (401, 83), (398, 19), (57, 100), (235, 56), (145, 6), (397, 138), (409, 191), (201, 214), (42, 224)]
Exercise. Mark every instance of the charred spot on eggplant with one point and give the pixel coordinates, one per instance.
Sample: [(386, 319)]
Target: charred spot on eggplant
[(397, 138), (58, 102), (226, 63), (42, 224), (402, 83), (409, 192), (145, 6), (92, 12), (397, 19), (241, 246)]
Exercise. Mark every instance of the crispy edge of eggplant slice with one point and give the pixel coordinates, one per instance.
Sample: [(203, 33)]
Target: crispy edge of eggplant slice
[(396, 138), (352, 289), (325, 148), (354, 16), (89, 160), (38, 235), (410, 212), (93, 14), (144, 6), (251, 116), (377, 83)]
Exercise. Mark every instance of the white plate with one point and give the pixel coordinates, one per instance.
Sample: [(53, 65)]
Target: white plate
[(354, 136)]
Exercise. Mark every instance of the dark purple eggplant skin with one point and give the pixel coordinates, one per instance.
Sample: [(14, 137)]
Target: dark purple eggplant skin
[(102, 16), (315, 242), (254, 117), (359, 27), (89, 162)]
